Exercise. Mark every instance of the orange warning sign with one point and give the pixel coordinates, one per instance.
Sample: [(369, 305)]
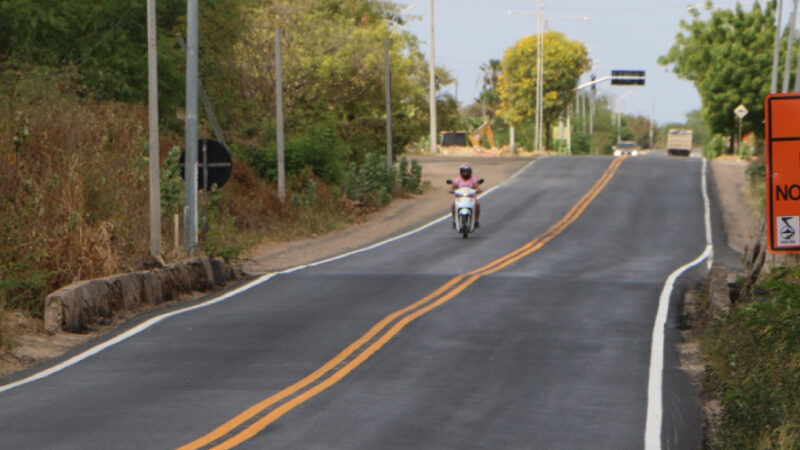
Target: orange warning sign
[(783, 172)]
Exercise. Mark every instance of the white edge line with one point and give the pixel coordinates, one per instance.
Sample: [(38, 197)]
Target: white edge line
[(652, 434), (262, 279)]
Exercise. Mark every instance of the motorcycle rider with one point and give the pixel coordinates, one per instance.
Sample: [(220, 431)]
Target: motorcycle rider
[(465, 179)]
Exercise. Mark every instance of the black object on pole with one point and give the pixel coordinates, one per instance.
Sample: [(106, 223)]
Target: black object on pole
[(215, 167), (627, 77)]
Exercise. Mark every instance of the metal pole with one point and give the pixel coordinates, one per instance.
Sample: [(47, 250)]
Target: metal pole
[(279, 115), (205, 187), (513, 144), (432, 86), (776, 51), (739, 145), (206, 102), (569, 130), (539, 77), (591, 113), (388, 82), (190, 221), (787, 68), (154, 152), (652, 121)]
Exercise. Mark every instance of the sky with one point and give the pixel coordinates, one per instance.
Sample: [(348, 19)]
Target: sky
[(619, 34)]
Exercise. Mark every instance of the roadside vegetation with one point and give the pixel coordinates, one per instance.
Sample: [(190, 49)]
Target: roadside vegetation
[(73, 129), (753, 365)]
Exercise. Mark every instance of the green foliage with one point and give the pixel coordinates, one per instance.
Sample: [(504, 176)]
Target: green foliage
[(318, 147), (372, 183), (694, 122), (581, 143), (745, 150), (564, 62), (715, 147), (171, 183), (409, 178), (220, 236), (727, 57), (754, 356), (333, 67), (105, 40)]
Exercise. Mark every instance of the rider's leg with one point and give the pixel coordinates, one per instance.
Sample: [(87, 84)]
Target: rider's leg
[(453, 213), (477, 212)]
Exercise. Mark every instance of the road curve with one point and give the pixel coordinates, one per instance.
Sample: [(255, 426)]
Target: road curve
[(533, 333)]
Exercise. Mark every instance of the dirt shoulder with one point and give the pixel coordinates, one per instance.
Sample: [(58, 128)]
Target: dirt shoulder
[(30, 344), (739, 212)]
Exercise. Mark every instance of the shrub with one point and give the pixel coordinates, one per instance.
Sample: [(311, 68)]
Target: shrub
[(318, 147), (715, 147), (372, 183), (745, 150), (754, 366)]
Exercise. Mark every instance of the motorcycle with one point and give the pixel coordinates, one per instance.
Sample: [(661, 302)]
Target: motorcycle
[(465, 209)]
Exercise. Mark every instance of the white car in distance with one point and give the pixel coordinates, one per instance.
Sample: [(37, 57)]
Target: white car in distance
[(626, 148)]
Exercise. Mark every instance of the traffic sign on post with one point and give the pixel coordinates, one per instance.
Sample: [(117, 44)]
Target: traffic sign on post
[(783, 172), (740, 111), (214, 166)]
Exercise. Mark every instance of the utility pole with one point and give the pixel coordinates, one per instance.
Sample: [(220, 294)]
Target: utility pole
[(591, 112), (279, 116), (206, 102), (154, 153), (652, 121), (190, 240), (432, 87), (569, 129), (539, 75), (513, 144), (789, 47), (388, 82), (776, 51)]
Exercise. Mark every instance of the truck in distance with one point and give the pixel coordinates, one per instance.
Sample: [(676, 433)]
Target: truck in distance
[(679, 142)]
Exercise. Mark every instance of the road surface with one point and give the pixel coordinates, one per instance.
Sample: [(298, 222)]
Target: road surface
[(536, 332)]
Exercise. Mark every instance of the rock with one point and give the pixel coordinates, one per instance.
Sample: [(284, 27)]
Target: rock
[(80, 304), (223, 272), (124, 290), (201, 275), (77, 306), (167, 284)]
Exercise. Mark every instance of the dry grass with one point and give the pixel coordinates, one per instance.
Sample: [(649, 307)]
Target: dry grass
[(73, 193)]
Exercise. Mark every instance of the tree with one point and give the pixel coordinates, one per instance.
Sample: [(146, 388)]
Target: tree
[(728, 58), (333, 72), (105, 40), (489, 98), (564, 62)]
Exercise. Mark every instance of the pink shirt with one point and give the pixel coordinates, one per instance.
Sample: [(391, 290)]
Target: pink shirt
[(472, 182)]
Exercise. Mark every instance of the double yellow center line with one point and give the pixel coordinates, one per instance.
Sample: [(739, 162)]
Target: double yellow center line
[(257, 417)]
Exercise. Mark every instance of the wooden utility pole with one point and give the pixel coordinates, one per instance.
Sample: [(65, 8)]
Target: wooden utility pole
[(432, 85), (279, 115)]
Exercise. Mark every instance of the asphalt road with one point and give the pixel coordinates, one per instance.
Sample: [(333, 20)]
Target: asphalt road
[(549, 349)]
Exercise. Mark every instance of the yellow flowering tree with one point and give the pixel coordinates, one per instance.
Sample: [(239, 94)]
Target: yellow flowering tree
[(564, 62)]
